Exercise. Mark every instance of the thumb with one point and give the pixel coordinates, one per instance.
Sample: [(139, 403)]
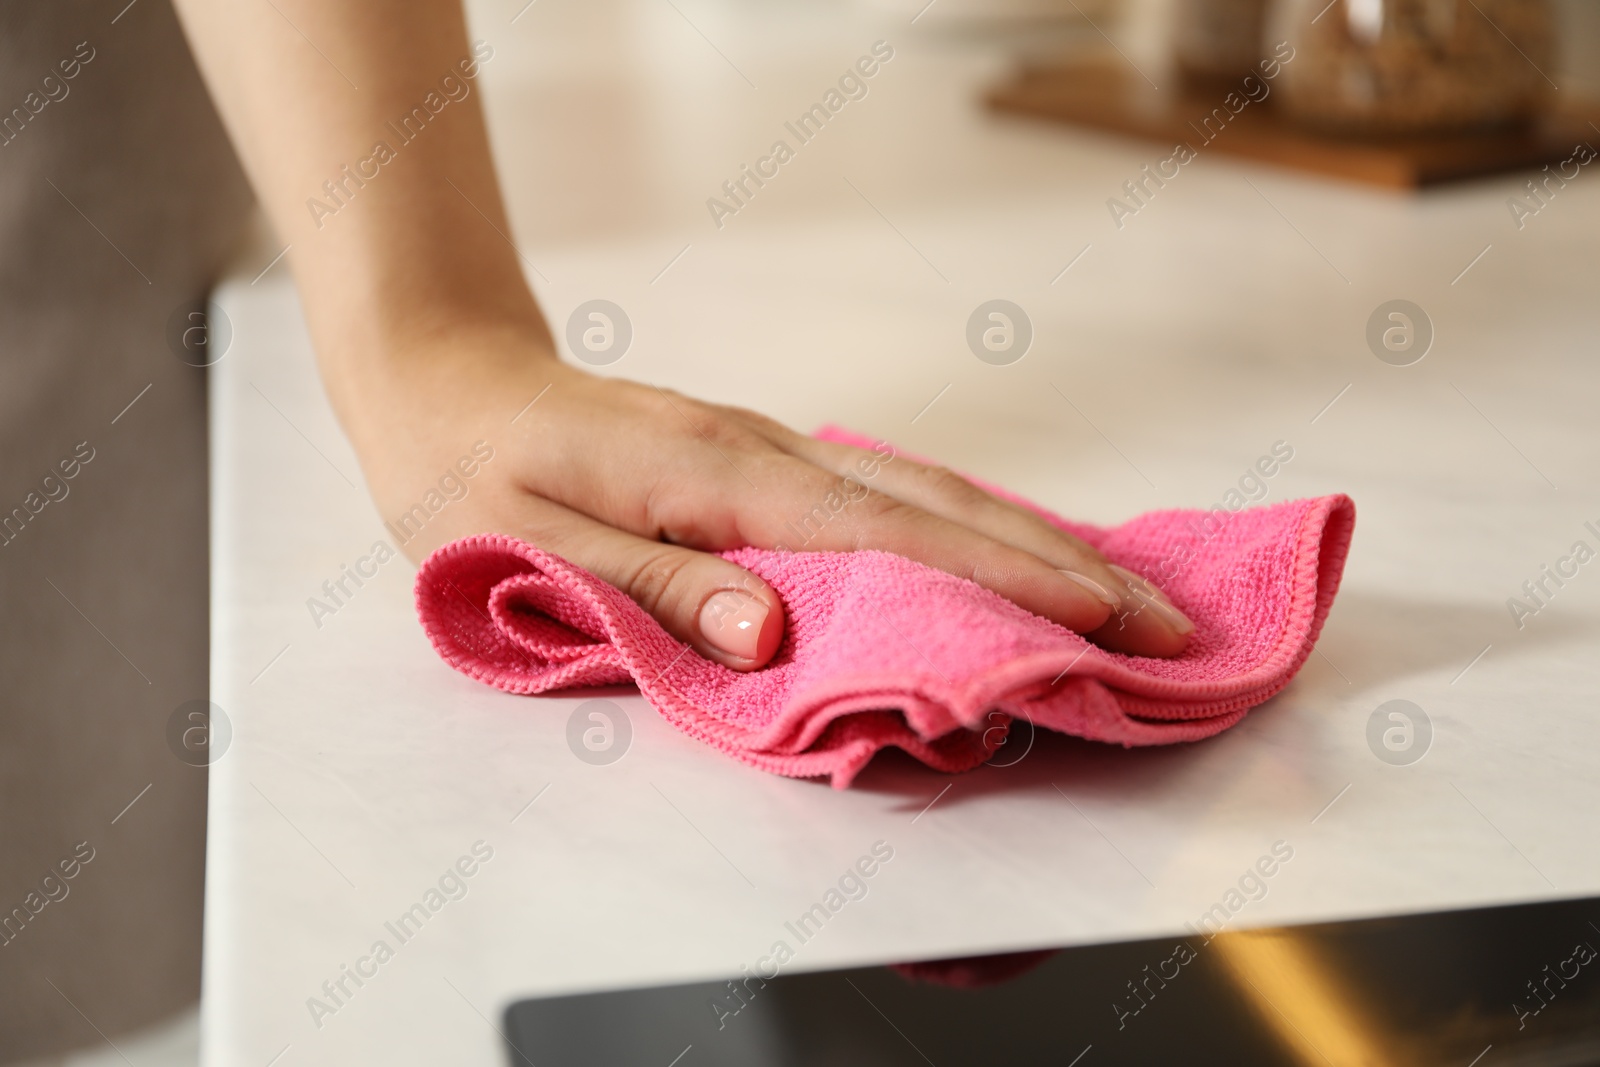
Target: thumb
[(721, 610)]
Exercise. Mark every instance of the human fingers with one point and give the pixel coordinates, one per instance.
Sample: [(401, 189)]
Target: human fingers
[(724, 612), (1144, 620)]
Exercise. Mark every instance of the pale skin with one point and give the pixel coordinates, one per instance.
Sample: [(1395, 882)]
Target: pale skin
[(429, 339)]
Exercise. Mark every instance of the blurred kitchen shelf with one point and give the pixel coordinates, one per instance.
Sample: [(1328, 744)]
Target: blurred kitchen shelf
[(1108, 98)]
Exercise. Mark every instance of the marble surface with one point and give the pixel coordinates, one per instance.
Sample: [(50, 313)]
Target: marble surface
[(1228, 314)]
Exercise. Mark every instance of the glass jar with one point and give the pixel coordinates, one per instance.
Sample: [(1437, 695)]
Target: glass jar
[(1217, 39), (1413, 66)]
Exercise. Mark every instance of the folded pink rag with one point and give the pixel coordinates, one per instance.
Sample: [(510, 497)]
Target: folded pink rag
[(880, 650)]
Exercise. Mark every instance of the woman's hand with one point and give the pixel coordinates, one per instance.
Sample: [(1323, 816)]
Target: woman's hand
[(430, 341), (639, 486)]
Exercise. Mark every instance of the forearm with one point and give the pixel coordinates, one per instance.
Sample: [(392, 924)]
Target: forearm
[(386, 193)]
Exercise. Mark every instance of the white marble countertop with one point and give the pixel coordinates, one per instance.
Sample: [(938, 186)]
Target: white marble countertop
[(1229, 314)]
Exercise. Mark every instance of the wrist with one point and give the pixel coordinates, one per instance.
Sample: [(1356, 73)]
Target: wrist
[(382, 326), (447, 370)]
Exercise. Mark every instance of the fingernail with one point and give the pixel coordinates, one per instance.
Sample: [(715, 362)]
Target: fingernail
[(731, 621), (1147, 593), (1100, 592)]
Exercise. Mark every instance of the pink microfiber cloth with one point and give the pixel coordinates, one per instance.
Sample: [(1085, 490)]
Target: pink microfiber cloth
[(880, 650)]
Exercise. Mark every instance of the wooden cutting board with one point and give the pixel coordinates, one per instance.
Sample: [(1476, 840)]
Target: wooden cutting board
[(1117, 100)]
